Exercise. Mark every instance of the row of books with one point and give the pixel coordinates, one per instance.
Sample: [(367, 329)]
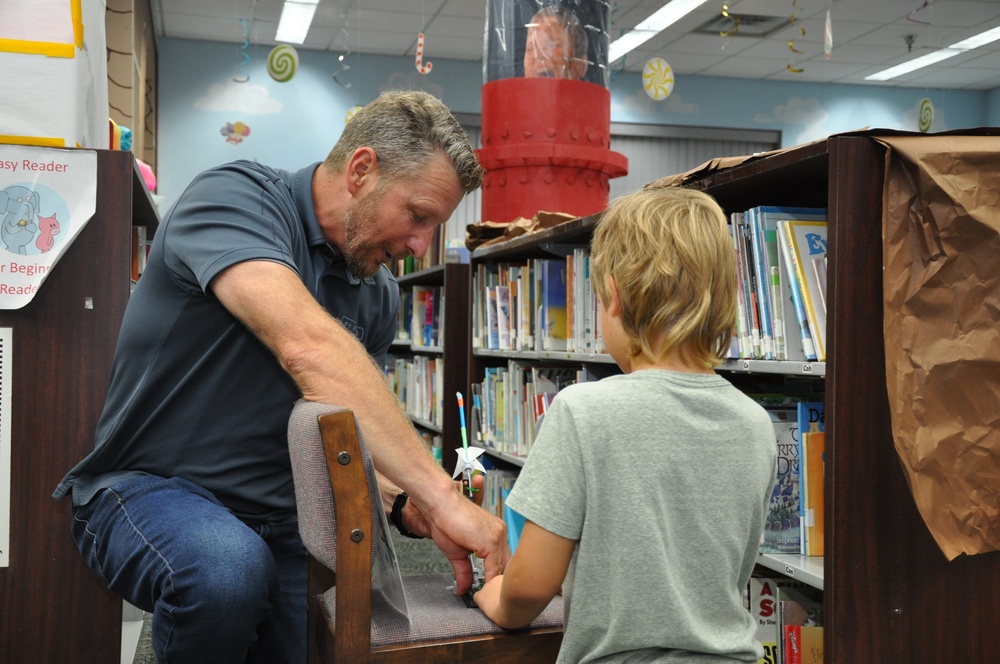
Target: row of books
[(789, 617), (421, 316), (542, 304), (418, 384), (795, 518), (781, 260), (435, 256), (510, 402)]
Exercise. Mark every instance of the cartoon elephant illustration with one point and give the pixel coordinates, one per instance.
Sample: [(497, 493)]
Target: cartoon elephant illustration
[(18, 206)]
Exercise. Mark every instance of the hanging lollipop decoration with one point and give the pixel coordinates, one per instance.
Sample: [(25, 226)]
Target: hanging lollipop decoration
[(658, 78), (791, 42), (282, 63), (421, 67), (243, 76), (926, 115)]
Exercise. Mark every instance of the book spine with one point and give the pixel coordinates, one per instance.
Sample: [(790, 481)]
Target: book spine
[(808, 348)]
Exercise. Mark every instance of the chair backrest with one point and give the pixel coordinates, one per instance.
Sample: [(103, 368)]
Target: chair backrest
[(314, 463)]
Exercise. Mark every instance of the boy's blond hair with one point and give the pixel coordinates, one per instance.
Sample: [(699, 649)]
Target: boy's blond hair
[(672, 259)]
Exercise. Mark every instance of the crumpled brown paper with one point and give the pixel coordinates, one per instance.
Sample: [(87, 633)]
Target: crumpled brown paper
[(941, 289), (484, 233)]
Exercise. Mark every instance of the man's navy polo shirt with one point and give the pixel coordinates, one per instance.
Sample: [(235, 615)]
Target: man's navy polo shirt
[(194, 393)]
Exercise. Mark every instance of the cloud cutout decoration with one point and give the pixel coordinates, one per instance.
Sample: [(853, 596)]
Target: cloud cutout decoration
[(240, 98)]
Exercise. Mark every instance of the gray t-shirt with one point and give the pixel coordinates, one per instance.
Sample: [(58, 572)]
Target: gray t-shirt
[(194, 393), (664, 479)]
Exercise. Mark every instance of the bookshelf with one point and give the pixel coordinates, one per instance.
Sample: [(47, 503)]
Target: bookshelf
[(512, 267), (54, 608), (452, 282), (889, 592)]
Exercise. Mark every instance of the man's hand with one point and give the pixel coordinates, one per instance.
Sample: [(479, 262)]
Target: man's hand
[(461, 529)]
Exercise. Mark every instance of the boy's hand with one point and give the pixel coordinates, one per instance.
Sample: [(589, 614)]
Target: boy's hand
[(488, 599)]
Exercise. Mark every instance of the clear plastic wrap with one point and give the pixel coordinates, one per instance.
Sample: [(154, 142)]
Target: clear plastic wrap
[(541, 38)]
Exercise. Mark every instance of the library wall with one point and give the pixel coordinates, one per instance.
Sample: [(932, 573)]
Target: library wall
[(198, 97)]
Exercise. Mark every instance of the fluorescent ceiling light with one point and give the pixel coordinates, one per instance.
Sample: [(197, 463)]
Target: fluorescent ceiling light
[(933, 57), (296, 17), (656, 23)]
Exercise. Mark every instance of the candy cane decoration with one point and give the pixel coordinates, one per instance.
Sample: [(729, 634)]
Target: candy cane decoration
[(421, 67)]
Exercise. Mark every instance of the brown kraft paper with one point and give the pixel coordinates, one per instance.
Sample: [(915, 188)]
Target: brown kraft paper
[(941, 285)]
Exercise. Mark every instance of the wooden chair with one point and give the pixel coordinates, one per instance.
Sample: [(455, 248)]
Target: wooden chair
[(351, 619)]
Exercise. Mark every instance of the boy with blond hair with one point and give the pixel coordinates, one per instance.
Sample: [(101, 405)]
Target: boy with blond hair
[(645, 493)]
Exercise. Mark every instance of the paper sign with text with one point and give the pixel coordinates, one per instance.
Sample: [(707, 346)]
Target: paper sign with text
[(47, 196)]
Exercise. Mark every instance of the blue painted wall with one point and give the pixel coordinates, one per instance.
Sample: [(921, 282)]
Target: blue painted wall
[(296, 123)]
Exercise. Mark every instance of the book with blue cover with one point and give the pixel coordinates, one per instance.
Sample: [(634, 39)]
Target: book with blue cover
[(553, 304)]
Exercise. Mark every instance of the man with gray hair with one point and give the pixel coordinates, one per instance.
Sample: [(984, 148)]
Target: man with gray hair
[(262, 287)]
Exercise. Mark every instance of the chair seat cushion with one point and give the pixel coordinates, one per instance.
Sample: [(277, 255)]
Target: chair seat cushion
[(437, 613)]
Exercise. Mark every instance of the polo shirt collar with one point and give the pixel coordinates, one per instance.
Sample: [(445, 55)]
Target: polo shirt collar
[(302, 189)]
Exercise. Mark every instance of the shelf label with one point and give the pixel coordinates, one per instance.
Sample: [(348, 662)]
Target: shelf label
[(47, 196), (807, 368)]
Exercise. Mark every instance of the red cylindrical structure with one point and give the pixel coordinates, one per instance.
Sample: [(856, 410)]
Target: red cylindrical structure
[(546, 147), (546, 109)]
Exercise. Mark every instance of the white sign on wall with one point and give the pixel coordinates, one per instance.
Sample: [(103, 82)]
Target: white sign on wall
[(47, 196)]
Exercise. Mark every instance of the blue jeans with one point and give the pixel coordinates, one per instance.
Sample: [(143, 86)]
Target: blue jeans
[(219, 590)]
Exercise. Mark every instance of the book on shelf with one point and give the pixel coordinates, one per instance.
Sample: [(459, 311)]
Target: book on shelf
[(762, 595), (553, 304), (514, 307), (810, 639), (514, 399), (404, 315), (807, 241), (762, 228), (572, 329), (801, 318), (503, 317), (432, 317), (425, 318), (742, 304), (799, 610), (782, 533), (814, 460), (498, 481), (492, 319), (751, 347), (525, 307), (418, 384), (794, 346), (811, 415)]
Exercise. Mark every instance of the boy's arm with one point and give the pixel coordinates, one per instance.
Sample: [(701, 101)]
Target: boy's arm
[(534, 575)]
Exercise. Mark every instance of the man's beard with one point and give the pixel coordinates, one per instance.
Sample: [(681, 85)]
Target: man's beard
[(360, 223)]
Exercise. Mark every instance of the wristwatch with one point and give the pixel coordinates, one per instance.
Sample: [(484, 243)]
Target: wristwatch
[(396, 516)]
